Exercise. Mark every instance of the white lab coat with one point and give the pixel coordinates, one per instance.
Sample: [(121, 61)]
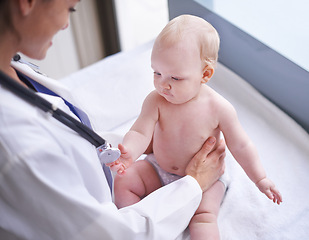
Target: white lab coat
[(52, 185)]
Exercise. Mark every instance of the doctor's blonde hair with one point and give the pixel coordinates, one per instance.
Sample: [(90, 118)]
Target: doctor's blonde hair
[(198, 30)]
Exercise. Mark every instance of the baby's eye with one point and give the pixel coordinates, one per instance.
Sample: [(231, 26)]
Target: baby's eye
[(175, 78), (156, 73)]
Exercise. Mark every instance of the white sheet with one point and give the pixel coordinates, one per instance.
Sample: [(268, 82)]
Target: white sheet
[(113, 90)]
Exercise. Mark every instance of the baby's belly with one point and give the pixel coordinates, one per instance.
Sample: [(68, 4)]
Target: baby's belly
[(174, 153)]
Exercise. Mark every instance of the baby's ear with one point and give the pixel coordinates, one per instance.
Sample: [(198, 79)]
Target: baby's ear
[(207, 73), (26, 6)]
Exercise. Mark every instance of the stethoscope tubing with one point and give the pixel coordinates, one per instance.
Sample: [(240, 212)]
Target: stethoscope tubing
[(31, 97)]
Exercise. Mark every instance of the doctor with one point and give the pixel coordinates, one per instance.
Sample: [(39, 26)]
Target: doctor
[(51, 182)]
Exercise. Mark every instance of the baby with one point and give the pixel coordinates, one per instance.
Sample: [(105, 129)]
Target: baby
[(178, 117)]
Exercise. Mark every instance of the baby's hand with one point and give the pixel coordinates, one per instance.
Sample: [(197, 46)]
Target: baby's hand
[(116, 166), (123, 162), (267, 187)]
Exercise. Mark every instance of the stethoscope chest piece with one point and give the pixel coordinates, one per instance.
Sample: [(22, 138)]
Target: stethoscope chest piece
[(107, 154)]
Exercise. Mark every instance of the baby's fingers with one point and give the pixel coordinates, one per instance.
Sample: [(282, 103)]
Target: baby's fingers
[(277, 199), (114, 166), (121, 169), (277, 196), (269, 194), (122, 149)]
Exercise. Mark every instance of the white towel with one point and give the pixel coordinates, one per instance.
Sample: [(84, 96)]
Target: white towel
[(112, 92)]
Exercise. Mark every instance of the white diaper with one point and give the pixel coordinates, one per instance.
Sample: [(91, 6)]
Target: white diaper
[(166, 177)]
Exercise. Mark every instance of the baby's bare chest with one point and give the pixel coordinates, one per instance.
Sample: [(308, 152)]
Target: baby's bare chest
[(181, 132), (197, 121)]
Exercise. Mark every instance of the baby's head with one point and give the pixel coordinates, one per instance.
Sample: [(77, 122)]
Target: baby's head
[(183, 58), (197, 32)]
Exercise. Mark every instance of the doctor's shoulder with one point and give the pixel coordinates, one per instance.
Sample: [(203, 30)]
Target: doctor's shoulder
[(14, 106), (20, 124), (24, 122)]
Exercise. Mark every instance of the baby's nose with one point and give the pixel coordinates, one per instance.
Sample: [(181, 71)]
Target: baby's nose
[(165, 84)]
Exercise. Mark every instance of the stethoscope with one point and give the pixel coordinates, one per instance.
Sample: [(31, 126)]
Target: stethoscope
[(105, 152)]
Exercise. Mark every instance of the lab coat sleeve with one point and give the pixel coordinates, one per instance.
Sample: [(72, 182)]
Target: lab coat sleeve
[(164, 214), (52, 186), (43, 194)]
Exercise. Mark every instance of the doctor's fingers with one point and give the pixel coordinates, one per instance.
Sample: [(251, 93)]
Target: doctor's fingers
[(217, 152), (211, 149), (215, 160), (220, 152), (216, 157), (208, 164), (209, 155), (206, 148)]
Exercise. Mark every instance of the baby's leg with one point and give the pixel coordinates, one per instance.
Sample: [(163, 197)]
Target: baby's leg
[(204, 225), (138, 181)]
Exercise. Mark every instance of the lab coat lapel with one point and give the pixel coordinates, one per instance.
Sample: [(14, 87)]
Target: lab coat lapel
[(50, 83)]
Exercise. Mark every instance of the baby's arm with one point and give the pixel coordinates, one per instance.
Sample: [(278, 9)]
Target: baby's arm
[(244, 151), (137, 140)]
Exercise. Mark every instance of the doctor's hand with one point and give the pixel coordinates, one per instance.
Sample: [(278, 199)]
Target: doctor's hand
[(208, 164), (123, 162)]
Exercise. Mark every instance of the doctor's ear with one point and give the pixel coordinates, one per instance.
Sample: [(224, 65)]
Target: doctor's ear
[(208, 71), (26, 6)]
